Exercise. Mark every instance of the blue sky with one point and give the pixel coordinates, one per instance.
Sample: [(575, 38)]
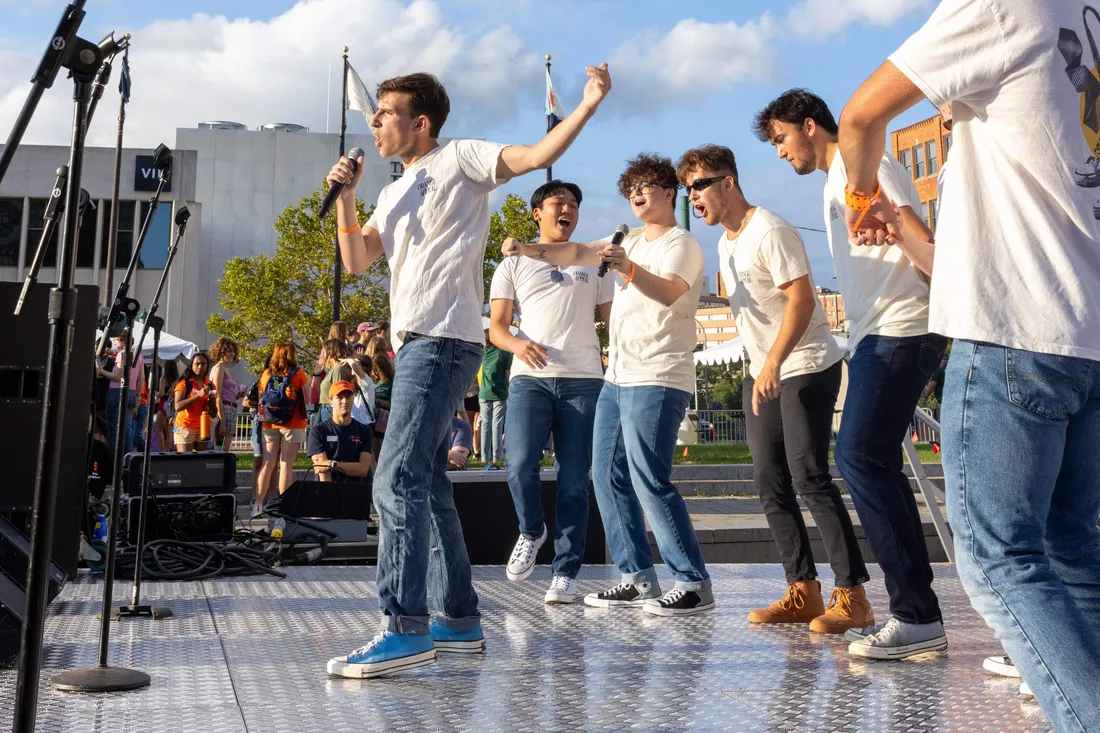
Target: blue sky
[(684, 74)]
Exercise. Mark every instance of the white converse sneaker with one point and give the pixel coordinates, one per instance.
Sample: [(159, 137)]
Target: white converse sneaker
[(1000, 665), (1025, 690), (562, 590), (522, 562)]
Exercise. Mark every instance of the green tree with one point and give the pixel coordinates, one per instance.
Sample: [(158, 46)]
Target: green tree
[(513, 220), (287, 296)]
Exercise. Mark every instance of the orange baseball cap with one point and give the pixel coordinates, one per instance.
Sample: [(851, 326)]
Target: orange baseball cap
[(342, 386)]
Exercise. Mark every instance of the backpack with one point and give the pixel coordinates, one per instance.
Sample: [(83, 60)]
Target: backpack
[(276, 406)]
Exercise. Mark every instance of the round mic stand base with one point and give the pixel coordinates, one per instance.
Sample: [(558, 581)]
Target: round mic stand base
[(99, 679), (154, 612)]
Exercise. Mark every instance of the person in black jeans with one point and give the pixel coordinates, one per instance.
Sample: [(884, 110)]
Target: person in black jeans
[(795, 367), (339, 446)]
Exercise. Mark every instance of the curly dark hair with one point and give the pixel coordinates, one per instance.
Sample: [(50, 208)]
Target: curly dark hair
[(426, 96), (222, 347), (794, 106), (648, 168)]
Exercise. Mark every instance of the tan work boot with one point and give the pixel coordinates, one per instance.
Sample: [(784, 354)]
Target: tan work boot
[(801, 604), (848, 609)]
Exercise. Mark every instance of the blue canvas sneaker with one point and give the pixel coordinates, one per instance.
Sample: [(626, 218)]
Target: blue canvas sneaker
[(386, 654), (471, 641)]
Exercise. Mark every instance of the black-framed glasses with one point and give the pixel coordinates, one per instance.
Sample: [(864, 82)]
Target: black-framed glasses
[(702, 184), (556, 276), (643, 189)]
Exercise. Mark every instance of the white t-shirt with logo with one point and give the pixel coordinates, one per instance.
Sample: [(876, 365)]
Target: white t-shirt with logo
[(434, 222), (884, 293), (651, 344), (1017, 255), (768, 253), (559, 316)]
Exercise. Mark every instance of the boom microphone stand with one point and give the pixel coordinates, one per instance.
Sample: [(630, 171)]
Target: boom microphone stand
[(55, 206), (102, 678), (182, 215)]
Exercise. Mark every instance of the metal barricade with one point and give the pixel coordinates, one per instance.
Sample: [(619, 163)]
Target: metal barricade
[(242, 433)]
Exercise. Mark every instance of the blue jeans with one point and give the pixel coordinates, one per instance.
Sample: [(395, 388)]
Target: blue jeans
[(419, 534), (886, 376), (114, 397), (137, 428), (565, 408), (1021, 455), (632, 445), (492, 430)]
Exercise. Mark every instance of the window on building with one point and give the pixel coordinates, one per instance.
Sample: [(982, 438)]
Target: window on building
[(125, 241), (154, 253), (85, 248), (946, 146), (930, 151), (11, 226), (918, 161), (933, 214), (906, 161)]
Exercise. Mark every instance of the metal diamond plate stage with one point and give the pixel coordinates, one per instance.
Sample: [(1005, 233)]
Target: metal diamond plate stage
[(249, 654)]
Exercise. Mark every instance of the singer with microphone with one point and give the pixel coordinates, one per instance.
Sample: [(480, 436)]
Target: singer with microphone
[(556, 379), (649, 381), (431, 225)]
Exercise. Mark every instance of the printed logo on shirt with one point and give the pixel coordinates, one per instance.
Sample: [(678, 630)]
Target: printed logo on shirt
[(581, 276), (1086, 83), (745, 277), (834, 214), (426, 186)]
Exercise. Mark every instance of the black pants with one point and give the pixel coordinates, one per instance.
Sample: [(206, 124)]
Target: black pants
[(789, 442)]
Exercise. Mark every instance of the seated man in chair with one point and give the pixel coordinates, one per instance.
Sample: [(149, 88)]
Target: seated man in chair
[(340, 444)]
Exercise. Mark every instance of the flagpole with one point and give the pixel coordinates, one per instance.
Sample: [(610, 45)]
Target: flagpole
[(549, 126), (343, 132)]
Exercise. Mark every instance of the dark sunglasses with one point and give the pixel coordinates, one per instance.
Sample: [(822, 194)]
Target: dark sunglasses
[(702, 184)]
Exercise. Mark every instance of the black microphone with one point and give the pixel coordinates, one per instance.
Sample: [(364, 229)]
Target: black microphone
[(616, 238), (335, 189)]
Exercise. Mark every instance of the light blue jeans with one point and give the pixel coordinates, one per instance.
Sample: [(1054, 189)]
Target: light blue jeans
[(565, 408), (419, 537), (492, 430), (632, 445), (1021, 457)]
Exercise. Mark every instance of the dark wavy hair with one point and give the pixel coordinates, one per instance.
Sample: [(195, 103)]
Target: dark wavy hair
[(794, 106), (648, 168), (426, 96), (715, 158)]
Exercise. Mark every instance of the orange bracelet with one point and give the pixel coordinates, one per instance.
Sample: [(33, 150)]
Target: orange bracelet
[(348, 231), (860, 203), (633, 271)]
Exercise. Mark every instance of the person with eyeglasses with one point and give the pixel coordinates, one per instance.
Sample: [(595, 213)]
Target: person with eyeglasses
[(556, 379), (648, 384), (892, 356), (789, 396)]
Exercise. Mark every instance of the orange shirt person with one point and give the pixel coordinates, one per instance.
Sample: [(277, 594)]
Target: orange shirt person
[(283, 438), (191, 396)]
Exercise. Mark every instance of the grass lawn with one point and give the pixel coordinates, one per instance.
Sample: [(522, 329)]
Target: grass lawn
[(709, 453)]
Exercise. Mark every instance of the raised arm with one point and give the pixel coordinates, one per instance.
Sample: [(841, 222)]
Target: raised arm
[(515, 160), (559, 254), (360, 245)]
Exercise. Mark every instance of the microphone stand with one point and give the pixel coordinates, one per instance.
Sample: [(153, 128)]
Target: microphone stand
[(55, 206), (182, 215), (135, 609), (102, 678)]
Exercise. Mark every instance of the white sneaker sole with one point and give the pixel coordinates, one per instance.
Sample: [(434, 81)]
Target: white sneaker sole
[(340, 667), (592, 600), (658, 610), (1025, 690), (553, 597), (461, 647), (869, 651), (997, 665), (525, 573), (852, 635)]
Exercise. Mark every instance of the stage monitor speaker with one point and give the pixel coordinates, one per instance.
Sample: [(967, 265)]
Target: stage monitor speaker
[(15, 551), (182, 473), (22, 390)]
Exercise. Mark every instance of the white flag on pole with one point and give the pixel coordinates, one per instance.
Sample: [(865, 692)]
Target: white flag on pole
[(358, 96)]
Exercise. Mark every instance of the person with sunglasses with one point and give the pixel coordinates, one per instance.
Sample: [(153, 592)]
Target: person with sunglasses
[(556, 379), (892, 356), (649, 382), (789, 397)]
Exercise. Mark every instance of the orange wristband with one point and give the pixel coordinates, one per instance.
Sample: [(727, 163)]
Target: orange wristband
[(860, 203), (633, 272), (348, 231)]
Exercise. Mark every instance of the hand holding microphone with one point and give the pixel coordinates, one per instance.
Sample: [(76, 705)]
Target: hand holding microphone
[(347, 172), (614, 253)]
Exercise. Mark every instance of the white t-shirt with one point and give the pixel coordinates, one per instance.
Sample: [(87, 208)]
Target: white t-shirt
[(651, 344), (884, 292), (559, 316), (1017, 256), (434, 222), (768, 253)]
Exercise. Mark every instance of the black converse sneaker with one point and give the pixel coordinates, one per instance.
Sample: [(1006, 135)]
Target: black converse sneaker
[(624, 594), (681, 603)]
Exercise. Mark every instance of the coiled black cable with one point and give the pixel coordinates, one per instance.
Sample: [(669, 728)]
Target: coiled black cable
[(179, 560)]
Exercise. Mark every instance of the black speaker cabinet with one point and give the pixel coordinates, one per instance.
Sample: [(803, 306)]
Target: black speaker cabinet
[(203, 472), (15, 551)]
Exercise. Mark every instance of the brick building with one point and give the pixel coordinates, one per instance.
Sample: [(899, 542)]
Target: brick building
[(715, 324), (923, 149)]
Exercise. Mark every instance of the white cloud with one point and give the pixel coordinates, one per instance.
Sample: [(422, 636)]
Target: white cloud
[(212, 67), (823, 18), (690, 62)]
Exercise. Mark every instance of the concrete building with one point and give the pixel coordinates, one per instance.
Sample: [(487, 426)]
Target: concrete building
[(923, 149), (234, 181)]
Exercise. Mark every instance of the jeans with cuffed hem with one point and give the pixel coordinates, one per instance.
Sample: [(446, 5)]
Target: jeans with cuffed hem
[(886, 376), (420, 541), (566, 409), (633, 441), (1021, 457)]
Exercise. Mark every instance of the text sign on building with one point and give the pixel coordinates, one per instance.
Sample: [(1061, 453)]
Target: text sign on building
[(146, 175)]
